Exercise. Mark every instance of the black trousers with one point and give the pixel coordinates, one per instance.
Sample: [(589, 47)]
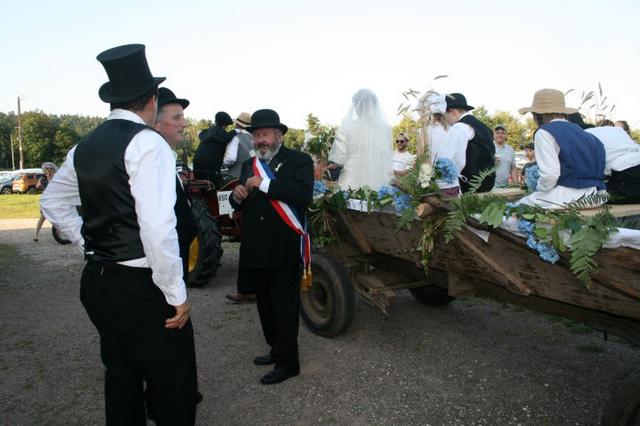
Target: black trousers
[(626, 185), (244, 284), (129, 311), (278, 299)]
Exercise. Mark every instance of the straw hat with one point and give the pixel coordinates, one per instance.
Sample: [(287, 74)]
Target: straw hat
[(548, 101), (243, 120)]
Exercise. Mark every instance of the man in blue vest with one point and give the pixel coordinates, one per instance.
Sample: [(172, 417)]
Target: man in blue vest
[(133, 223), (471, 141), (571, 161)]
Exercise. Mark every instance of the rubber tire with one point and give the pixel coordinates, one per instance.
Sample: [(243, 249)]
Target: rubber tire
[(6, 190), (327, 308), (624, 406), (58, 238), (209, 243), (32, 190), (433, 294)]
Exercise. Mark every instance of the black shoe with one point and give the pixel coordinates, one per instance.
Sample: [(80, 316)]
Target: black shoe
[(277, 376), (264, 360)]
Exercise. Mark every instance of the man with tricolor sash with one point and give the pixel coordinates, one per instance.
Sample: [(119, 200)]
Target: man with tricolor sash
[(275, 191)]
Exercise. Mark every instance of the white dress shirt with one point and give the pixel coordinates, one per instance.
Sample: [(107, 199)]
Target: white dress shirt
[(441, 149), (549, 194), (621, 152), (231, 152), (456, 141), (150, 164)]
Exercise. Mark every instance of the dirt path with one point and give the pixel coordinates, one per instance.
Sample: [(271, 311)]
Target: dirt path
[(473, 362)]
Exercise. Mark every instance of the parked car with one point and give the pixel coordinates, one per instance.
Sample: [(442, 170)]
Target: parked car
[(26, 182), (7, 177)]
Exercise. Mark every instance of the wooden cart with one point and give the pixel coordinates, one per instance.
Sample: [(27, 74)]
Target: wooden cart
[(375, 260)]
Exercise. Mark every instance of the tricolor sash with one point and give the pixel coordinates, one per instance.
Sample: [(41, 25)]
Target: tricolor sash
[(292, 219)]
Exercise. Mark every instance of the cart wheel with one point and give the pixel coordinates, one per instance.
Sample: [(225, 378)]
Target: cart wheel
[(206, 249), (624, 405), (433, 294), (327, 307)]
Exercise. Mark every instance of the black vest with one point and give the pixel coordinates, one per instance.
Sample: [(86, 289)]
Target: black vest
[(110, 224), (480, 154)]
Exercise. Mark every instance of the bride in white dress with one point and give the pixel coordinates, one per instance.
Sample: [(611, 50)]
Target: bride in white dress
[(363, 145)]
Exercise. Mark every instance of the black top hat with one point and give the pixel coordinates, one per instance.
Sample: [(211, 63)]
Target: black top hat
[(266, 118), (128, 71), (457, 100), (166, 97), (223, 119)]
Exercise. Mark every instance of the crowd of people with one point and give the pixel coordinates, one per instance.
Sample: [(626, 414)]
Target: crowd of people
[(136, 225)]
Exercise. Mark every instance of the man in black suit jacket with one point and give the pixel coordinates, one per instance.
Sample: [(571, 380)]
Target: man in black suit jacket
[(270, 249)]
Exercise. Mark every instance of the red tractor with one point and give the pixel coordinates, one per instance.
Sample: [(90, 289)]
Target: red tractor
[(215, 218)]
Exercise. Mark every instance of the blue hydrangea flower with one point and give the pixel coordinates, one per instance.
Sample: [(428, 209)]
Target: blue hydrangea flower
[(386, 190), (532, 243), (401, 201), (448, 170), (319, 187), (531, 176), (525, 226), (548, 253)]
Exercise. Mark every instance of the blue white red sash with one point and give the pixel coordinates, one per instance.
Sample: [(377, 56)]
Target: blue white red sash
[(291, 219)]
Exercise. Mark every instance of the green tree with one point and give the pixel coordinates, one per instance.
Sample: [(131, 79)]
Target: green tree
[(294, 139), (65, 138), (38, 138), (7, 130), (409, 127)]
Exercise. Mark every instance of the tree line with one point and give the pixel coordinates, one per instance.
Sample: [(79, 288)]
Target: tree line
[(47, 137)]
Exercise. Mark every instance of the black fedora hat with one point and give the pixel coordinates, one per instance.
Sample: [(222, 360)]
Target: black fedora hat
[(266, 118), (457, 100), (128, 71), (576, 118), (166, 97)]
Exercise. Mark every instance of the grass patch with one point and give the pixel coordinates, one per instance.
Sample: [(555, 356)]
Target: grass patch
[(7, 255), (590, 348), (574, 327), (19, 206)]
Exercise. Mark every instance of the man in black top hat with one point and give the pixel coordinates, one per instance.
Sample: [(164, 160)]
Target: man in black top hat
[(270, 247), (132, 225), (473, 142), (207, 160)]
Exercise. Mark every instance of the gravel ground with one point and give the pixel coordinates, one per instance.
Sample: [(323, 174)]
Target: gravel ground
[(473, 362)]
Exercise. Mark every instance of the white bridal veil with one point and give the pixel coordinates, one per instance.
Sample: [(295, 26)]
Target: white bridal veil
[(363, 144)]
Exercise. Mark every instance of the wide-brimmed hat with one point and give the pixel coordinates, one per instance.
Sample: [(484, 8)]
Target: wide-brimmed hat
[(266, 118), (166, 97), (243, 120), (457, 100), (548, 101), (129, 74)]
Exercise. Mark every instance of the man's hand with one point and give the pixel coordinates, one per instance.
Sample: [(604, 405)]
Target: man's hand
[(253, 182), (181, 317), (240, 192)]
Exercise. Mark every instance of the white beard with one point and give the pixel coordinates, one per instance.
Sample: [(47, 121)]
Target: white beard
[(269, 154)]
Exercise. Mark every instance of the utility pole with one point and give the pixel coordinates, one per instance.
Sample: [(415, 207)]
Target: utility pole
[(13, 161), (20, 137)]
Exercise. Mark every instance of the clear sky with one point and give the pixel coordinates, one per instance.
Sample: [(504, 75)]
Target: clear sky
[(308, 56)]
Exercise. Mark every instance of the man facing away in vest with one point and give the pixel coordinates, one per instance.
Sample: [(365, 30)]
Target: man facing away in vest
[(571, 161), (240, 149), (132, 287), (472, 143)]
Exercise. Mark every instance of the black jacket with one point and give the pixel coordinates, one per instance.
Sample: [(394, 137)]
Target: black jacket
[(266, 240), (207, 160)]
